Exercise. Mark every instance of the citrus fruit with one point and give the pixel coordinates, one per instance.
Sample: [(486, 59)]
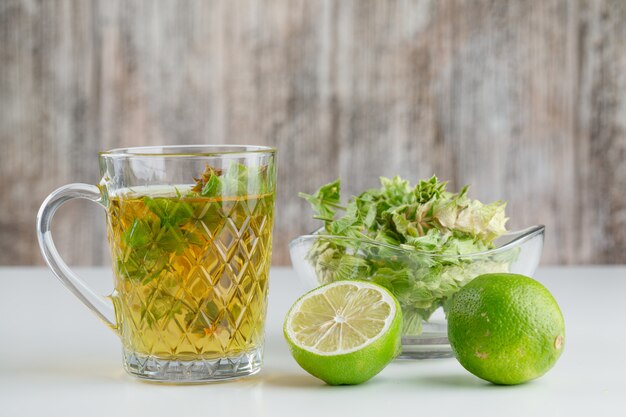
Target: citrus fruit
[(505, 328), (345, 332)]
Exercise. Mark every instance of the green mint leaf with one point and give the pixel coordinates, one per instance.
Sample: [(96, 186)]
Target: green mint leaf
[(370, 215), (326, 200), (427, 190), (212, 187), (169, 211), (235, 180), (138, 235)]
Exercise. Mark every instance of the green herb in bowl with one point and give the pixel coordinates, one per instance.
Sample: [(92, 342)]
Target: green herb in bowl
[(423, 243)]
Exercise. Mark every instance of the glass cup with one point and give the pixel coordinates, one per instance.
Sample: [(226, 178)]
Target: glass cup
[(190, 233)]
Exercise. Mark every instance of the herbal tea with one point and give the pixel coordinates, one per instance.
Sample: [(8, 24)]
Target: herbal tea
[(190, 233), (191, 269)]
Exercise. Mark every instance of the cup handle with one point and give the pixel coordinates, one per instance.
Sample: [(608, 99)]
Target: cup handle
[(103, 308)]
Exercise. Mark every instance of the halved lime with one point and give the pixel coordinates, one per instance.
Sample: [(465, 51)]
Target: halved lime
[(344, 332)]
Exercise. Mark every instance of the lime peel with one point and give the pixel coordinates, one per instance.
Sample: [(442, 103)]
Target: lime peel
[(506, 328)]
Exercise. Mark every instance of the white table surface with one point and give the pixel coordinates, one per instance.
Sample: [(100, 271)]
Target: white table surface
[(57, 359)]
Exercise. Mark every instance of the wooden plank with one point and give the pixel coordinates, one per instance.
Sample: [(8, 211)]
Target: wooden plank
[(525, 100), (601, 134)]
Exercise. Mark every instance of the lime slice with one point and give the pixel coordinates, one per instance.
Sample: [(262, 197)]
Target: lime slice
[(345, 332)]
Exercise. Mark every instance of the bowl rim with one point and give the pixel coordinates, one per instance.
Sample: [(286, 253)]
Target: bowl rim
[(524, 236)]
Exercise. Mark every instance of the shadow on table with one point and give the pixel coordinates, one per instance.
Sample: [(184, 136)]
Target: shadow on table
[(457, 381), (287, 380), (292, 381), (451, 380), (303, 381)]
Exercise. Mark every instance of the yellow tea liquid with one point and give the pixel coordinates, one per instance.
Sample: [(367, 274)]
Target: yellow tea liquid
[(191, 272)]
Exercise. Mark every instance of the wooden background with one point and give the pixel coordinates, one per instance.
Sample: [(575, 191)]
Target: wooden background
[(526, 100)]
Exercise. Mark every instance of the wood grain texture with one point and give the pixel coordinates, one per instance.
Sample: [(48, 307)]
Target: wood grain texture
[(526, 100)]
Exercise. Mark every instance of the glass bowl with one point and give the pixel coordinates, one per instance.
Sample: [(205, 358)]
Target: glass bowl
[(421, 281)]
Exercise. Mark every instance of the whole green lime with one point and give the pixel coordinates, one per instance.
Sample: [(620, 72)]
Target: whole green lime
[(505, 328), (344, 333)]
